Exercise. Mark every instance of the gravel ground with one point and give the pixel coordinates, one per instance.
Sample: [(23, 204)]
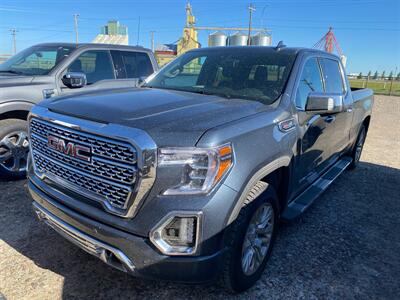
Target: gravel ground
[(345, 246)]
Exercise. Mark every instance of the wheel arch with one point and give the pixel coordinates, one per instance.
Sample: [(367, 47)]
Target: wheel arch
[(276, 174), (366, 122), (15, 110)]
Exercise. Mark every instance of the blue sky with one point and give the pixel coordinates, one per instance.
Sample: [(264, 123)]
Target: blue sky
[(368, 30)]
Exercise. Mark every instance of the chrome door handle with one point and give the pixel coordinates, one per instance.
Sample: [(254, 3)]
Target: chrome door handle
[(329, 119), (350, 109)]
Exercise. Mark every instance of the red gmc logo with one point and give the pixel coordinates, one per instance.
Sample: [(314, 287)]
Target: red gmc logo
[(69, 148)]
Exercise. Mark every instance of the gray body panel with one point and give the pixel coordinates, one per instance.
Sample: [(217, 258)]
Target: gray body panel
[(182, 119)]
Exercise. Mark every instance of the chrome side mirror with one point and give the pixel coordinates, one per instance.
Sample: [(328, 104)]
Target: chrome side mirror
[(74, 80), (324, 103)]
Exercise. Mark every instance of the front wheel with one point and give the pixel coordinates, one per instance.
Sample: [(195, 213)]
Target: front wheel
[(251, 238), (14, 148)]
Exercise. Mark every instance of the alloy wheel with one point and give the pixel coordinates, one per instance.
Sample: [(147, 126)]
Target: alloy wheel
[(257, 239), (14, 149)]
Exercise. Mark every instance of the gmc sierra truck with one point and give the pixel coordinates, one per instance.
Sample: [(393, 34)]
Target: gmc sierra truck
[(187, 177), (48, 70)]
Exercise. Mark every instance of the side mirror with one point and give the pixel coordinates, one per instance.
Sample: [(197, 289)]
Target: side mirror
[(74, 80), (322, 103)]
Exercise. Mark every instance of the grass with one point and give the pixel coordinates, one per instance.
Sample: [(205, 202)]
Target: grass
[(379, 86)]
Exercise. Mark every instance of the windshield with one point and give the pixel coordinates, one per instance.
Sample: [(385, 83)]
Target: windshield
[(38, 60), (249, 73)]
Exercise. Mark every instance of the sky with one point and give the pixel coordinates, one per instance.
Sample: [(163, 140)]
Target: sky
[(368, 31)]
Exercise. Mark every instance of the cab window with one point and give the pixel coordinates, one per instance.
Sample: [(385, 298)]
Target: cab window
[(310, 81), (96, 65), (131, 64), (332, 76)]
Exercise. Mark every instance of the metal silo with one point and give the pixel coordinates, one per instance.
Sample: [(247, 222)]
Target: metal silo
[(238, 39), (261, 39), (217, 39)]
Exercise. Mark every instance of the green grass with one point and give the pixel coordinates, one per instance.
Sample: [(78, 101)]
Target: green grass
[(379, 86)]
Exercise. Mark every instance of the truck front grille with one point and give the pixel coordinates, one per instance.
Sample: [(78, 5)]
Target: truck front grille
[(110, 174)]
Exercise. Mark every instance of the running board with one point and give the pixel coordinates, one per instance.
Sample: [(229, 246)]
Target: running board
[(305, 199)]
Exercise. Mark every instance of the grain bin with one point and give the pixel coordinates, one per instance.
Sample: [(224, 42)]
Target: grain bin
[(261, 39), (238, 39), (217, 39)]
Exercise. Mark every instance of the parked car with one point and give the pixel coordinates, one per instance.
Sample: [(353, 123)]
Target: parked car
[(48, 70), (186, 178)]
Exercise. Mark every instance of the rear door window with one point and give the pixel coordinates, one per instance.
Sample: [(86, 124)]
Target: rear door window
[(332, 76), (310, 81), (95, 64), (131, 64)]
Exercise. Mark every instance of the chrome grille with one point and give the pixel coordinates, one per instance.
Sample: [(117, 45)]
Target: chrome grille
[(110, 176), (100, 146), (99, 167)]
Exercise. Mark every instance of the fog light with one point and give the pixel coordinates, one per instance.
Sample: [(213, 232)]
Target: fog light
[(177, 234)]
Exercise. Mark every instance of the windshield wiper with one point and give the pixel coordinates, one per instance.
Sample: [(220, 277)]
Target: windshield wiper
[(215, 93), (11, 72)]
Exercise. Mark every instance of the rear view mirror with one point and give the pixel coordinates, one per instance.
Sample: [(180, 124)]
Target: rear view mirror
[(74, 80), (323, 103)]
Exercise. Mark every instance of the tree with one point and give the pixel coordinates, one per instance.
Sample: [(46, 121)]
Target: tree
[(383, 75), (369, 74), (376, 75), (398, 76), (359, 76), (391, 75)]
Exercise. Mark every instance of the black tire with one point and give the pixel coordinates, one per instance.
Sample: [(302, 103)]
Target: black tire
[(9, 127), (356, 151), (233, 278)]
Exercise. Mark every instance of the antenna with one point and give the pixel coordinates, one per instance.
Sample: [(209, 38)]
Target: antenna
[(280, 46)]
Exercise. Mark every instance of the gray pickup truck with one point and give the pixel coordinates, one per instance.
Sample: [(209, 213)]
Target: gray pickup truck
[(48, 70), (187, 177)]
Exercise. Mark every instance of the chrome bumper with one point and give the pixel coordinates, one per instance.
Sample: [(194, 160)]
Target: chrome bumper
[(108, 254)]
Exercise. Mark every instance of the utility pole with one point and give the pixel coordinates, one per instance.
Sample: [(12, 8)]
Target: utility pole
[(76, 28), (152, 40), (251, 8), (14, 33), (138, 32)]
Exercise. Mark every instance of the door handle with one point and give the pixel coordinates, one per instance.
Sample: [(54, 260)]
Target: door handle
[(350, 109), (329, 119)]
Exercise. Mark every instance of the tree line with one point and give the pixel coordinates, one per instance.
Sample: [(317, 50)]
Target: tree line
[(380, 76)]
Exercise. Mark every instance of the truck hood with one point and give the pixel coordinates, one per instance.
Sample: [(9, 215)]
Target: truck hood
[(14, 80), (171, 118)]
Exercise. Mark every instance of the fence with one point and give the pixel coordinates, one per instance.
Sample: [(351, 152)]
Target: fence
[(380, 86)]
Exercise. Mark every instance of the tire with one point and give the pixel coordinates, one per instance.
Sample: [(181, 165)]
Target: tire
[(234, 276), (14, 148), (357, 148)]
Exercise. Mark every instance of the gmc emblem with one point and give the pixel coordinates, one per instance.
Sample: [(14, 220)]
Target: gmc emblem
[(69, 148)]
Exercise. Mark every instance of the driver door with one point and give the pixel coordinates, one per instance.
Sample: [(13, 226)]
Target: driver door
[(315, 144)]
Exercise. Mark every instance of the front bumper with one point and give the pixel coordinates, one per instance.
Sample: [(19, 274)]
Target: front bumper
[(124, 251)]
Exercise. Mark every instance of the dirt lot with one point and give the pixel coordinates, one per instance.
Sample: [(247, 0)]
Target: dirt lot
[(346, 246)]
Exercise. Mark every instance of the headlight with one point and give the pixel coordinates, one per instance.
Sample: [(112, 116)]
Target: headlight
[(202, 168)]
